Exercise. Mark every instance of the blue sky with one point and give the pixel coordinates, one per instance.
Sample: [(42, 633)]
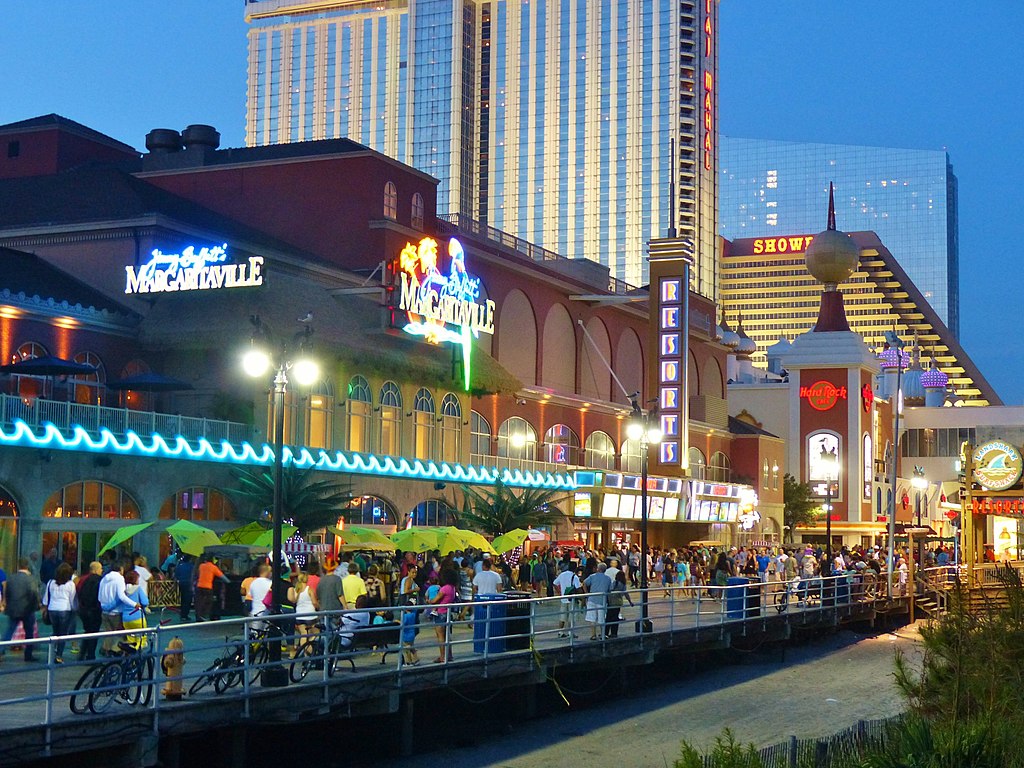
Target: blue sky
[(910, 74)]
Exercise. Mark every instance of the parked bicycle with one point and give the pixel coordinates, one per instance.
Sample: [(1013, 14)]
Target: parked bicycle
[(128, 679), (228, 671)]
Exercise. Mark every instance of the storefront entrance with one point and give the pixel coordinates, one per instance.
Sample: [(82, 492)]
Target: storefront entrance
[(76, 548), (8, 530)]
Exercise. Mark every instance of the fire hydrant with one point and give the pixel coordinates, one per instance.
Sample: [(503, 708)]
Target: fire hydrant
[(173, 665)]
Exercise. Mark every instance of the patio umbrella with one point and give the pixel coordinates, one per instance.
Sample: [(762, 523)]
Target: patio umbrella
[(246, 534), (415, 539), (150, 382), (48, 365), (369, 546), (477, 541), (191, 538), (266, 539), (358, 535), (122, 534), (509, 541)]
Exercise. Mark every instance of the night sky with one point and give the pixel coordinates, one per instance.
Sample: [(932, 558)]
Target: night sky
[(914, 74)]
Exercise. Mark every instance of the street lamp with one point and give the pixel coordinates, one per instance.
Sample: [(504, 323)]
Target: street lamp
[(920, 485), (830, 467), (262, 357), (644, 428)]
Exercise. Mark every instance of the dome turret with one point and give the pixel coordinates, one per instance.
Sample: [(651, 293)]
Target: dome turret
[(730, 338)]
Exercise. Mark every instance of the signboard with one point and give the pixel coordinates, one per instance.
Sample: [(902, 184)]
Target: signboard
[(440, 305), (207, 268), (822, 395), (671, 326), (790, 244), (582, 505), (997, 465)]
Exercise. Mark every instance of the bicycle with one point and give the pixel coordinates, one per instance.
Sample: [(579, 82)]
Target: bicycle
[(316, 650), (227, 671)]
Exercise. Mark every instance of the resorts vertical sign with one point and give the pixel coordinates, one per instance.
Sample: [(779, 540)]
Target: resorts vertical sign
[(671, 327)]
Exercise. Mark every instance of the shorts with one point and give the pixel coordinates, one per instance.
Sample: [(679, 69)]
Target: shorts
[(439, 618)]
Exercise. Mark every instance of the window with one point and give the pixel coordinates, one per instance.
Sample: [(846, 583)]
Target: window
[(320, 415), (631, 456), (561, 446), (423, 425), (698, 464), (390, 201), (764, 474), (719, 470), (28, 387), (479, 437), (91, 500), (433, 513), (775, 475), (390, 420), (370, 510), (451, 429), (517, 439), (8, 527), (87, 387), (819, 445), (13, 149), (600, 451), (358, 408), (197, 503), (417, 211)]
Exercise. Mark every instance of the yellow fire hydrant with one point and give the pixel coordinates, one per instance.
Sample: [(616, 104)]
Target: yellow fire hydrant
[(173, 664)]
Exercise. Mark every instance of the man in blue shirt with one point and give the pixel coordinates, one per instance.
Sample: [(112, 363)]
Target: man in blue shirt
[(183, 574)]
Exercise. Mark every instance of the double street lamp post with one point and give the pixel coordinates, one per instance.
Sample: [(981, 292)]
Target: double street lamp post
[(830, 468), (261, 358), (645, 428)]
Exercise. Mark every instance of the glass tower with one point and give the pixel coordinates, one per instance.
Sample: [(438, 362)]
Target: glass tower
[(548, 119), (907, 196)]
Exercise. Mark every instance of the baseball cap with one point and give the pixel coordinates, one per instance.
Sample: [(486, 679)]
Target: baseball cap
[(487, 555)]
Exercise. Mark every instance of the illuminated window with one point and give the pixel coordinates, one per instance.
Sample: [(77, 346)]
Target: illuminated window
[(764, 473), (719, 470), (631, 456), (561, 446), (423, 425), (29, 387), (8, 528), (370, 510), (697, 463), (479, 437), (390, 420), (320, 415), (358, 408), (451, 429), (91, 500), (600, 451), (517, 439), (88, 386), (417, 211), (868, 460), (433, 513), (136, 401), (819, 445), (198, 503), (390, 201), (775, 476)]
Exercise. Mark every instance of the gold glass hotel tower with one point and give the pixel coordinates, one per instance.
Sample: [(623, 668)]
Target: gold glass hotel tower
[(550, 119)]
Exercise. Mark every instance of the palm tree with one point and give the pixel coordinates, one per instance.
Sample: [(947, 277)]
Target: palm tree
[(306, 503), (500, 510)]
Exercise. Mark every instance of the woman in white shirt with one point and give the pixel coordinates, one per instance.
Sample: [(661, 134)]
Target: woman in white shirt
[(304, 600), (258, 591), (144, 573), (59, 599)]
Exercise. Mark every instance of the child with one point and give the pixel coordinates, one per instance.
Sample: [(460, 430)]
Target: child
[(410, 628), (432, 589)]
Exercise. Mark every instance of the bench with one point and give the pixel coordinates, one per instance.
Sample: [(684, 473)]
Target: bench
[(378, 636)]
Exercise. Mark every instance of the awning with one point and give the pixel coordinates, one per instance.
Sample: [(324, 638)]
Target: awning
[(304, 548)]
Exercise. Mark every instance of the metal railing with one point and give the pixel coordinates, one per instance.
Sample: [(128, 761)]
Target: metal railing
[(92, 418), (45, 692)]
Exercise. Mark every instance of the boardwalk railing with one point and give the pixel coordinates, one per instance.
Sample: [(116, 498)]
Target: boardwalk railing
[(233, 654)]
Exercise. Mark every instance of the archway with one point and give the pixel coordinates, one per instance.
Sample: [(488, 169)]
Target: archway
[(558, 371), (517, 337)]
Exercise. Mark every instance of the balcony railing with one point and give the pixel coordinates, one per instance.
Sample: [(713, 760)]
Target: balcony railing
[(93, 418)]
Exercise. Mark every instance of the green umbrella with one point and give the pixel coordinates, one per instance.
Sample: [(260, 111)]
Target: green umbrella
[(195, 543), (266, 539), (182, 529), (415, 539), (247, 534), (509, 541), (356, 535), (122, 534)]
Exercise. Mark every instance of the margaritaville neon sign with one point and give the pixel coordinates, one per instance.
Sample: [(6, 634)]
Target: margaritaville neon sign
[(441, 307), (204, 269)]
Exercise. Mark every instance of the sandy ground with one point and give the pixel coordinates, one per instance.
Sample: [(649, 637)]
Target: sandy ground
[(821, 688)]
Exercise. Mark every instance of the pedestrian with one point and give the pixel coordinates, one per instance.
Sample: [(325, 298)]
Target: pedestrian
[(445, 596), (113, 600), (142, 568), (597, 586), (376, 591), (59, 603), (208, 571), (184, 574), (89, 609), (567, 585), (22, 602), (410, 628), (353, 584), (306, 606), (48, 568), (408, 589), (616, 595), (259, 590), (135, 617)]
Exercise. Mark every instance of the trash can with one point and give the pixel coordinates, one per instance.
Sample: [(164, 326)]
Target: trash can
[(517, 621), (489, 623), (843, 590), (736, 596), (753, 598)]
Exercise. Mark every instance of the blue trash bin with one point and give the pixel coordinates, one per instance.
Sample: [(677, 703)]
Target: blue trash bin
[(736, 596), (489, 612), (843, 590)]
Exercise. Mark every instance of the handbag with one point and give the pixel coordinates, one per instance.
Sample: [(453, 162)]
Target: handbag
[(45, 615)]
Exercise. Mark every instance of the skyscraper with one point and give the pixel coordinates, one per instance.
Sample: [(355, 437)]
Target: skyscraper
[(907, 196), (551, 120)]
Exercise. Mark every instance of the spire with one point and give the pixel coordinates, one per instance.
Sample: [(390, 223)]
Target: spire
[(831, 207)]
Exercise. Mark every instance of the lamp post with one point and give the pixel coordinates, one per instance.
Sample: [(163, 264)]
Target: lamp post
[(894, 341), (646, 429), (830, 466), (257, 362)]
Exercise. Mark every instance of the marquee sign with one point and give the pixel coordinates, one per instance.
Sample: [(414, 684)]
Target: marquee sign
[(204, 269), (822, 395), (790, 244), (440, 306), (997, 465)]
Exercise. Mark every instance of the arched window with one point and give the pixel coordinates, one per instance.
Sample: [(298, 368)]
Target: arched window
[(561, 446), (451, 429), (28, 387), (417, 210), (390, 420), (869, 466), (423, 425), (631, 456), (370, 510), (92, 500), (390, 201), (517, 439), (698, 468), (600, 451), (479, 437), (719, 470), (433, 513), (198, 503), (358, 409), (765, 472), (8, 527), (320, 415), (775, 475), (136, 401), (88, 387)]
